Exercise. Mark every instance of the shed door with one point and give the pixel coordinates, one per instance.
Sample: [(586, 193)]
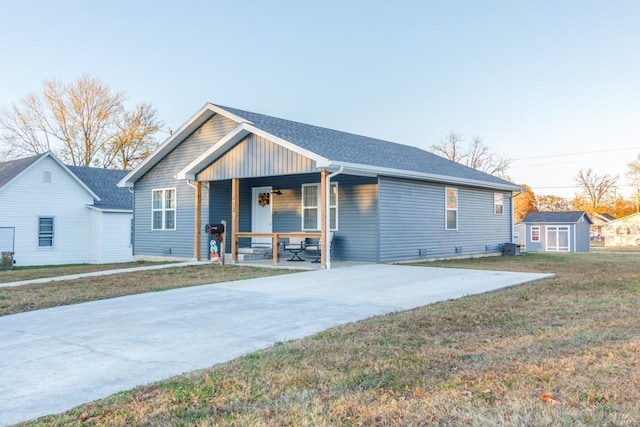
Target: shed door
[(558, 238)]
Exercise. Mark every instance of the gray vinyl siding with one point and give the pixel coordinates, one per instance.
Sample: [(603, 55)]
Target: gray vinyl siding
[(412, 221), (255, 157), (178, 242), (357, 210), (583, 234)]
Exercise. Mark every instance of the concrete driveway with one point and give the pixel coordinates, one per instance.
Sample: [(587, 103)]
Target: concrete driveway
[(52, 360)]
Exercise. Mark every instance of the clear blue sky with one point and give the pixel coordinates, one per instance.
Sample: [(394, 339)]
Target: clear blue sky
[(532, 78)]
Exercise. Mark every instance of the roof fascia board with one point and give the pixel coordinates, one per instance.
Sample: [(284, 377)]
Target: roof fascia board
[(398, 173), (202, 161), (194, 122), (235, 136), (98, 208)]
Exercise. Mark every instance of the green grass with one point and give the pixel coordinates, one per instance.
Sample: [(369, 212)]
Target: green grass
[(482, 360)]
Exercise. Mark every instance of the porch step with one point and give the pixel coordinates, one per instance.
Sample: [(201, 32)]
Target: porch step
[(255, 253)]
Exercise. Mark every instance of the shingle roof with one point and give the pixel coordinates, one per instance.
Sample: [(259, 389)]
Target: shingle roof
[(11, 169), (556, 217), (347, 147), (104, 182)]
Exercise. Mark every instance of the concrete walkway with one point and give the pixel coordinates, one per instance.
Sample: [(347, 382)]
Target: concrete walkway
[(52, 360)]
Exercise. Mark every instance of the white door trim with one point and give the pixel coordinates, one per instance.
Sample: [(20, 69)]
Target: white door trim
[(261, 215)]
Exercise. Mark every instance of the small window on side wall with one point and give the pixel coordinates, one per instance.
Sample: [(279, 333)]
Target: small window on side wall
[(498, 203), (45, 232), (535, 233), (451, 208)]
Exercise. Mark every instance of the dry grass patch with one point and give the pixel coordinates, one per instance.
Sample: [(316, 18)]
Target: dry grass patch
[(561, 352), (36, 296), (38, 272)]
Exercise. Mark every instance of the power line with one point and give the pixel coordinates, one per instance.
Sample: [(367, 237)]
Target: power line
[(577, 153)]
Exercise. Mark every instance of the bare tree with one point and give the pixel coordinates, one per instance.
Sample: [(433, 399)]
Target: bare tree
[(85, 123), (450, 147), (134, 140), (634, 170), (596, 187), (477, 155)]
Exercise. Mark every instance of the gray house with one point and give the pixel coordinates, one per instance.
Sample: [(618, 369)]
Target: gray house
[(271, 178), (554, 232)]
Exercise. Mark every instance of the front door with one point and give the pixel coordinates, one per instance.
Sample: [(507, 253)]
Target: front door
[(261, 215)]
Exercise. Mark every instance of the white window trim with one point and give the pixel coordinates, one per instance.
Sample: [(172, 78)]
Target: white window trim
[(318, 207), (53, 233), (496, 204), (447, 208), (555, 246), (163, 209), (537, 227)]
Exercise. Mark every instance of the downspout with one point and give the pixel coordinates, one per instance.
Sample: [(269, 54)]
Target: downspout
[(514, 194), (325, 238)]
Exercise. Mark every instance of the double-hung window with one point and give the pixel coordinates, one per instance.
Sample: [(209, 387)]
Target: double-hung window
[(451, 208), (535, 233), (45, 232), (311, 209), (163, 209), (498, 203)]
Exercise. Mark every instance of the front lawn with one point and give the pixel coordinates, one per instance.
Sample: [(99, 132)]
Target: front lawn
[(563, 351)]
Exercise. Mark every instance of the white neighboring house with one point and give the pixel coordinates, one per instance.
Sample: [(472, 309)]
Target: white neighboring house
[(64, 214)]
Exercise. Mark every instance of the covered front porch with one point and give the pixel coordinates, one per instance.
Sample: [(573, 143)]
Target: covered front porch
[(264, 213)]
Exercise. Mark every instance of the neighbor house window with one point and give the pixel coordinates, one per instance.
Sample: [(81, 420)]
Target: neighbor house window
[(45, 232), (311, 201), (498, 203), (451, 204), (163, 209), (535, 233)]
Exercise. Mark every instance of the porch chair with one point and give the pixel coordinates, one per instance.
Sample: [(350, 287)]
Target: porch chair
[(315, 245), (295, 245)]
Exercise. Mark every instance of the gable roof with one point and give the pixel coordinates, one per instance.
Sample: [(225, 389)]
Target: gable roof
[(556, 217), (623, 219), (330, 149), (104, 182), (11, 170)]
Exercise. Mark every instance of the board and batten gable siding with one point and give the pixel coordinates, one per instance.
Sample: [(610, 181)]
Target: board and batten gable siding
[(255, 156), (356, 238), (412, 221), (28, 197), (178, 242)]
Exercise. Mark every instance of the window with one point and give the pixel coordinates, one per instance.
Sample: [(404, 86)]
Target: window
[(451, 205), (163, 209), (498, 203), (46, 176), (45, 232), (311, 200), (535, 233)]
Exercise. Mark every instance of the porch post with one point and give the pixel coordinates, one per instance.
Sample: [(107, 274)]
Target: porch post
[(323, 218), (197, 221), (235, 217)]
